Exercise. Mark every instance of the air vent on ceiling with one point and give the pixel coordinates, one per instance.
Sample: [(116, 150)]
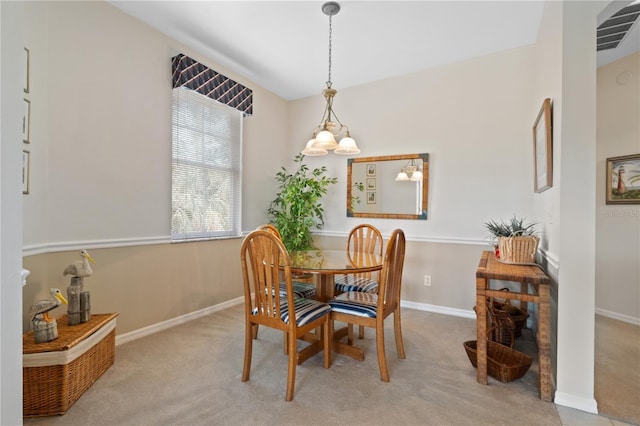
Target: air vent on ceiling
[(613, 30)]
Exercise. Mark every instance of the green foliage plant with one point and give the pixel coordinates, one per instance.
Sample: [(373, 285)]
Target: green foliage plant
[(296, 210), (357, 187), (515, 227)]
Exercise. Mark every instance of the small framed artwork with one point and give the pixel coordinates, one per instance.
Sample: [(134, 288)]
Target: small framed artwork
[(371, 183), (26, 163), (371, 197), (26, 118), (26, 68), (543, 149), (371, 170), (623, 179)]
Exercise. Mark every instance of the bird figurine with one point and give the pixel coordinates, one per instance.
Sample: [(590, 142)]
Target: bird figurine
[(45, 306), (80, 268)]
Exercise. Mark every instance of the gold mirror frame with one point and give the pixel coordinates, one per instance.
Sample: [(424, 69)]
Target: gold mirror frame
[(407, 157)]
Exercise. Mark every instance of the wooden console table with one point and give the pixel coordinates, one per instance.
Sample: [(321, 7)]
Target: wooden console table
[(529, 277)]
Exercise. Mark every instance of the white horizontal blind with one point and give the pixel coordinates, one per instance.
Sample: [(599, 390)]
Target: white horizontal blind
[(206, 168)]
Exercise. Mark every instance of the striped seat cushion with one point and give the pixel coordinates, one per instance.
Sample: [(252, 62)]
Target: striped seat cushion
[(345, 283), (300, 290), (306, 311), (355, 303)]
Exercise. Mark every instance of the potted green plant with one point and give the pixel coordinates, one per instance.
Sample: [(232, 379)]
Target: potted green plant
[(515, 240), (296, 210)]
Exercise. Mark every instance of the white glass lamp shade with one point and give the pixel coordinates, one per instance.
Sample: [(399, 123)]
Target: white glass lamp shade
[(347, 146), (402, 176), (313, 152), (416, 176), (325, 140)]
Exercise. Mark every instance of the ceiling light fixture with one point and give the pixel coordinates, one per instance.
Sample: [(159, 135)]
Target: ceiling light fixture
[(324, 136), (410, 172)]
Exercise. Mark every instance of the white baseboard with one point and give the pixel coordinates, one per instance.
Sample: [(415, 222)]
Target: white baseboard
[(464, 313), (620, 317), (154, 328), (584, 404)]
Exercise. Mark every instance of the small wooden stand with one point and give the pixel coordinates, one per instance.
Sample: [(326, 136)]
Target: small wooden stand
[(532, 277)]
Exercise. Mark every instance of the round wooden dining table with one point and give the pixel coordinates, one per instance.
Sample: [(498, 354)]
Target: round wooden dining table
[(325, 264), (328, 263)]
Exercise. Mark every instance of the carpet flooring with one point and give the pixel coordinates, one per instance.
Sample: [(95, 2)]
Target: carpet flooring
[(190, 375)]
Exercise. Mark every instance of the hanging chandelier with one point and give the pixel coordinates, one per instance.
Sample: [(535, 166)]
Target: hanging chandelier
[(325, 135), (410, 172)]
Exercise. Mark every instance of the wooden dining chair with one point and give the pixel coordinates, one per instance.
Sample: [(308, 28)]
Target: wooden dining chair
[(263, 256), (364, 239), (300, 289), (371, 310)]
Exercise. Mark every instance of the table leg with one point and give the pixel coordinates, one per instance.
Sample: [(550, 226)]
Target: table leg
[(544, 343), (325, 289), (481, 328)]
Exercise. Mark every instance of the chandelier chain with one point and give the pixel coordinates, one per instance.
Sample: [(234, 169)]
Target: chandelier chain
[(330, 33)]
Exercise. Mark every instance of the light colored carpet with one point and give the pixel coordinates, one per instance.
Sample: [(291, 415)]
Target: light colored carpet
[(617, 369), (190, 375)]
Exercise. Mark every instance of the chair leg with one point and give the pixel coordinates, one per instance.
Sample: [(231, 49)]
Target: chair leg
[(350, 334), (291, 373), (248, 348), (361, 332), (327, 333), (255, 331), (382, 359), (285, 346), (397, 330)]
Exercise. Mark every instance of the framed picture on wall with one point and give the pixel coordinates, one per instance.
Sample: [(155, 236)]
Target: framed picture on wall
[(26, 165), (371, 170), (26, 68), (371, 183), (26, 118), (543, 149), (623, 179), (371, 197)]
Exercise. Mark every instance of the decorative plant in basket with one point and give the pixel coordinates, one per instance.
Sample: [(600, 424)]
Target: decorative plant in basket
[(515, 240)]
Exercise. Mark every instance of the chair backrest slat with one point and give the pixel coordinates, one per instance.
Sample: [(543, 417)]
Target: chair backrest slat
[(263, 256), (364, 239), (391, 276)]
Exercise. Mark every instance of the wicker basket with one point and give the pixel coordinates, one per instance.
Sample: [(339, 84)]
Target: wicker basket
[(55, 374), (503, 363), (518, 249), (517, 315)]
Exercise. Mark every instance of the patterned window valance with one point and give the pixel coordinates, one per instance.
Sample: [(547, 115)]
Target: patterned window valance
[(192, 74)]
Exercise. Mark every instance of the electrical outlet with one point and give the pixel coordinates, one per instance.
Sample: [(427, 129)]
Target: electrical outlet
[(427, 280)]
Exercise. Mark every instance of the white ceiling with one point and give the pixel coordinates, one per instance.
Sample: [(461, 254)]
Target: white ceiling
[(283, 45)]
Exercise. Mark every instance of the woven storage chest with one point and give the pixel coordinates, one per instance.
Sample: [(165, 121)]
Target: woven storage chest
[(55, 374)]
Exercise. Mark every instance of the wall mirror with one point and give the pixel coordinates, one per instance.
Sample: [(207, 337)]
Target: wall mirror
[(388, 187)]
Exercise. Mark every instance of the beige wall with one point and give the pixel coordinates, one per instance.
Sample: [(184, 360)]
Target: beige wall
[(472, 118), (100, 149), (146, 284), (618, 226), (101, 129)]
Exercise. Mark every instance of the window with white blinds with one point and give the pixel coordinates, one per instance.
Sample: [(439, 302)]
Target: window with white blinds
[(206, 168)]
